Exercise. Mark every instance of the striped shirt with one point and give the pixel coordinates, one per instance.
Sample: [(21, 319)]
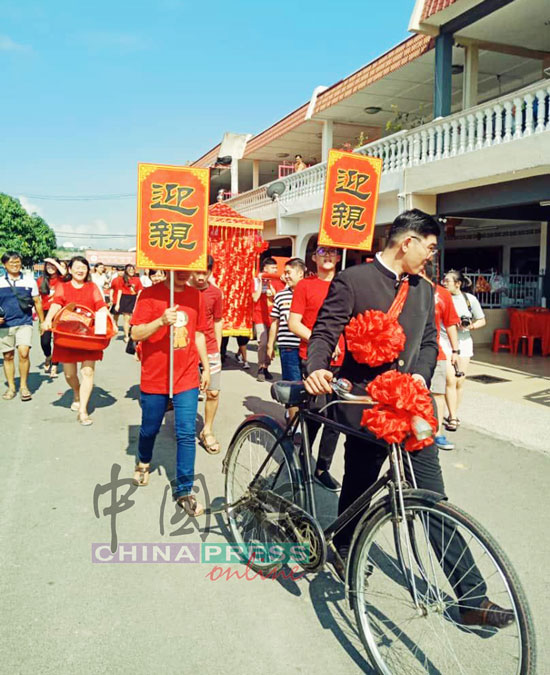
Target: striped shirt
[(280, 311)]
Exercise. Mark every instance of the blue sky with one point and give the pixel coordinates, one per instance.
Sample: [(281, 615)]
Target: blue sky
[(91, 89)]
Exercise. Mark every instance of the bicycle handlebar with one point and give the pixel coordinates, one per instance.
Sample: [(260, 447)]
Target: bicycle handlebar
[(342, 388)]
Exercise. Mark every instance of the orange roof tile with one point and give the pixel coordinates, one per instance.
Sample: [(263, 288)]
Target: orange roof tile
[(431, 7)]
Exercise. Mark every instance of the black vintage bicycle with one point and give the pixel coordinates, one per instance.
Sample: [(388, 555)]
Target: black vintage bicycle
[(417, 565)]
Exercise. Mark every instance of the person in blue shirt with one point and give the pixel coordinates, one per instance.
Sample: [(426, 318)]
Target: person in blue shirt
[(18, 296)]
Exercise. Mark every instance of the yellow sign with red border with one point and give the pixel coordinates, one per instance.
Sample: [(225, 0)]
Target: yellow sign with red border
[(350, 201)]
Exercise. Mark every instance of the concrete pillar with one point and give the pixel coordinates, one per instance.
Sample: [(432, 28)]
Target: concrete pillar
[(427, 203), (443, 74), (326, 142), (506, 259), (255, 173), (235, 177), (469, 83)]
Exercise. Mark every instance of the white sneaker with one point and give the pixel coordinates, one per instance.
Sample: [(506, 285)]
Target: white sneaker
[(246, 365)]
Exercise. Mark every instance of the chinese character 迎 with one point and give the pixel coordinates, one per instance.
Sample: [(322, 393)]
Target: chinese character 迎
[(344, 216), (118, 504), (351, 181), (170, 196)]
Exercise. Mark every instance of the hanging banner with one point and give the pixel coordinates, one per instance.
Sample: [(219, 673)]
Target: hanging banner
[(350, 201), (172, 217)]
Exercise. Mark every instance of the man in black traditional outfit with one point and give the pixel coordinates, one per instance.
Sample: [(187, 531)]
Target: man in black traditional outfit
[(411, 243)]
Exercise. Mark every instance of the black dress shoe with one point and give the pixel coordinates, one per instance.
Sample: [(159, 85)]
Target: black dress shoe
[(327, 481), (488, 614)]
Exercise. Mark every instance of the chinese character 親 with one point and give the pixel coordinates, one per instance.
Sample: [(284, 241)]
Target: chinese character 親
[(169, 235), (351, 181), (170, 196), (344, 216)]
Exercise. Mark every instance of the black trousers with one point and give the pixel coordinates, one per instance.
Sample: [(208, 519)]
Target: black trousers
[(46, 343), (241, 341), (363, 460)]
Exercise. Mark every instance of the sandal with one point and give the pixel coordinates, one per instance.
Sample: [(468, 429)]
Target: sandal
[(190, 505), (84, 420), (451, 423), (212, 447), (75, 406), (141, 474), (9, 394), (47, 364), (25, 395), (53, 371)]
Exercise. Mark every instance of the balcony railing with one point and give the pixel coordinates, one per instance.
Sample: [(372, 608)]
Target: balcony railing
[(523, 113)]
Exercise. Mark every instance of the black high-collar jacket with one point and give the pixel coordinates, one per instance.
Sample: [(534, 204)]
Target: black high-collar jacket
[(373, 286)]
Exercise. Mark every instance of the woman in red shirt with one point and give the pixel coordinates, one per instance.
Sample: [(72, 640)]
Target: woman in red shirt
[(81, 290), (46, 287), (126, 291)]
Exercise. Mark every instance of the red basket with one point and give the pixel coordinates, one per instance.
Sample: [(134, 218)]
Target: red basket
[(73, 328)]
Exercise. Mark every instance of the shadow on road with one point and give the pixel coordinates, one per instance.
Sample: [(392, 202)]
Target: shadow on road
[(100, 398)]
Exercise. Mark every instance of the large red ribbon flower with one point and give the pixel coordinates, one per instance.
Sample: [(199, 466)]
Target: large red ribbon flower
[(400, 398), (376, 337)]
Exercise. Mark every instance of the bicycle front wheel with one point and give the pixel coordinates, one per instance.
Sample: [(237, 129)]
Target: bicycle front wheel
[(412, 584), (253, 527)]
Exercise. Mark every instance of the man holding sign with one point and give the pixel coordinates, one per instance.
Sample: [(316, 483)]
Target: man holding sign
[(170, 318)]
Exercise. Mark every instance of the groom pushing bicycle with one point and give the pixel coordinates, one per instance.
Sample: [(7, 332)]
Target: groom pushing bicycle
[(391, 285)]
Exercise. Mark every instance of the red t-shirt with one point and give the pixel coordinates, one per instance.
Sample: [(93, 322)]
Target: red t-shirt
[(47, 298), (307, 300), (213, 308), (133, 288), (261, 312), (445, 313), (155, 358)]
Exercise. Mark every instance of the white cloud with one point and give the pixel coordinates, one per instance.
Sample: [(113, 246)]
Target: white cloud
[(29, 207), (79, 234), (9, 45)]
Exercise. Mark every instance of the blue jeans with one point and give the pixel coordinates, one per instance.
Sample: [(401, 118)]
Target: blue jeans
[(290, 363), (153, 407)]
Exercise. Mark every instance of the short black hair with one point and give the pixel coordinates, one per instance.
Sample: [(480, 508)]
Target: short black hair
[(10, 255), (415, 221), (210, 263), (297, 264), (268, 261)]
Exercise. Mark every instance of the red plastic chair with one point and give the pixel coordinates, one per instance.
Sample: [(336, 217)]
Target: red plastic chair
[(519, 325), (497, 344)]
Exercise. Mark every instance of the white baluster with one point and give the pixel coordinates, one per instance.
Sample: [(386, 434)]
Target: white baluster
[(529, 125), (439, 142), (463, 135), (541, 110), (387, 158), (498, 124), (416, 149), (471, 132), (431, 144), (507, 121), (454, 138), (424, 146), (479, 131), (489, 127), (446, 140), (393, 156), (410, 150), (518, 116)]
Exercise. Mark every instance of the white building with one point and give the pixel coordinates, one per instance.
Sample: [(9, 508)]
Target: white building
[(471, 91)]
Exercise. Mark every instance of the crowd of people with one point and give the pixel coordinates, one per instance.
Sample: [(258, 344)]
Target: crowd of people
[(290, 307)]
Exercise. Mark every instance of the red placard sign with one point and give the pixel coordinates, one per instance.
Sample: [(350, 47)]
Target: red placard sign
[(351, 198), (172, 217)]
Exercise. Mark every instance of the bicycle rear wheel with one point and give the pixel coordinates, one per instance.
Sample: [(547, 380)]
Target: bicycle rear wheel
[(253, 525), (402, 636)]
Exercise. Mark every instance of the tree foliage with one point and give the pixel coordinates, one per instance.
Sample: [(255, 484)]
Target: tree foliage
[(29, 235)]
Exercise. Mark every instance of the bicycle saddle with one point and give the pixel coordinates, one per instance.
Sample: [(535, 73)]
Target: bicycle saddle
[(289, 393)]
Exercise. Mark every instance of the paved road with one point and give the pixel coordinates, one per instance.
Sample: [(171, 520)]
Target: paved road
[(63, 614)]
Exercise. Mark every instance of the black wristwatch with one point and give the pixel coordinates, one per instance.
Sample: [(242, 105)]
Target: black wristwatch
[(456, 351)]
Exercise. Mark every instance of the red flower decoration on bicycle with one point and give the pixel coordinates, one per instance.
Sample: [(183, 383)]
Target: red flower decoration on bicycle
[(400, 398), (376, 337)]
